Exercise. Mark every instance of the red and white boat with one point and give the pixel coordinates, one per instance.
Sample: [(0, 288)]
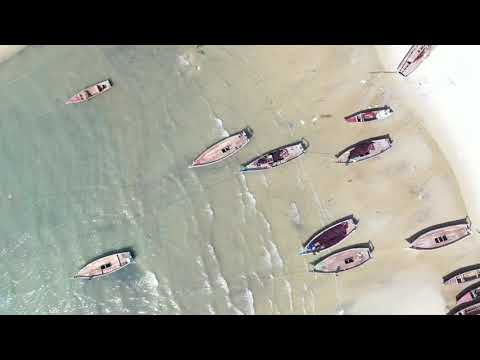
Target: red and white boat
[(344, 259), (415, 56), (440, 235), (468, 294), (462, 275), (224, 148), (330, 235), (276, 156), (364, 149), (466, 308), (378, 113), (90, 92), (105, 265)]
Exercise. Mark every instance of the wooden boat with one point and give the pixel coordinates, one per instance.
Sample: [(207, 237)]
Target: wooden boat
[(364, 149), (344, 259), (90, 92), (105, 265), (469, 293), (276, 156), (330, 235), (466, 308), (440, 235), (415, 56), (224, 148), (378, 113), (462, 275)]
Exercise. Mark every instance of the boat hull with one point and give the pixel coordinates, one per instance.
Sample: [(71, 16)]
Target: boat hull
[(105, 266), (469, 293), (462, 275), (344, 259), (467, 308), (414, 57), (372, 114), (440, 235), (365, 149), (90, 92), (276, 157), (223, 149), (330, 235)]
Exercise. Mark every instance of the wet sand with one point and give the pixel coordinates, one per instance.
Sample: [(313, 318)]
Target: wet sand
[(212, 240)]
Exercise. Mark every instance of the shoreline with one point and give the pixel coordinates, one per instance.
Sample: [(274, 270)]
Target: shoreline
[(446, 84)]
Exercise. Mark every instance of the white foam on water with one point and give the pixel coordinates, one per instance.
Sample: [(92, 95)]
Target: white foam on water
[(255, 275), (206, 281), (294, 214), (219, 123), (220, 280), (208, 209), (150, 282), (171, 298), (210, 309), (267, 258), (265, 222), (276, 258), (288, 287), (184, 60), (250, 303)]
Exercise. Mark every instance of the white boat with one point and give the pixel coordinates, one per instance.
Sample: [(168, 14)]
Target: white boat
[(415, 56), (224, 148), (105, 265), (90, 92)]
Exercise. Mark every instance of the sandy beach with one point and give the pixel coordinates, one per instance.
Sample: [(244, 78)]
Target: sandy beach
[(114, 173)]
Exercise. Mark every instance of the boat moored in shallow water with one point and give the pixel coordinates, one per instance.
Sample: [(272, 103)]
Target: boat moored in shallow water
[(415, 56), (90, 92), (224, 148), (440, 235), (466, 308), (365, 149), (344, 259), (276, 157), (105, 265), (330, 235), (378, 113), (462, 275)]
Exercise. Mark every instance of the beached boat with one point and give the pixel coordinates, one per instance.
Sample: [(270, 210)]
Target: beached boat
[(365, 149), (105, 265), (415, 56), (440, 235), (276, 156), (224, 148), (469, 293), (466, 308), (378, 113), (330, 235), (462, 275), (344, 259), (90, 92)]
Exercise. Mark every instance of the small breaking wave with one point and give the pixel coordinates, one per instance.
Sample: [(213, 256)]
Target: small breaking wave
[(219, 122), (294, 214)]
